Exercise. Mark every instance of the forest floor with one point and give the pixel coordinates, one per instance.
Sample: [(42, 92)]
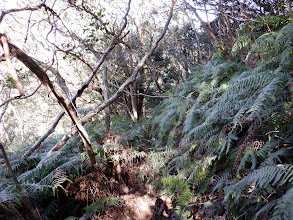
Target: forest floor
[(136, 199)]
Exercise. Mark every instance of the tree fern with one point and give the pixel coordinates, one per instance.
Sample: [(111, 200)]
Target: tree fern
[(8, 195)]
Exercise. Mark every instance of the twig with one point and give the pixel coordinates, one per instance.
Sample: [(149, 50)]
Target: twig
[(121, 89), (22, 97), (151, 96)]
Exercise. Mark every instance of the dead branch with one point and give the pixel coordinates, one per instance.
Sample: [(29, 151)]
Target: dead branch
[(85, 85), (119, 92), (11, 68), (23, 97), (20, 9)]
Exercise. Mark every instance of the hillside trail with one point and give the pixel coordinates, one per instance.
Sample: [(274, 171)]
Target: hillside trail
[(121, 177)]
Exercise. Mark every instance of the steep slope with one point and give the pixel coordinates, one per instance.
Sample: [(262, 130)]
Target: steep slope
[(223, 146)]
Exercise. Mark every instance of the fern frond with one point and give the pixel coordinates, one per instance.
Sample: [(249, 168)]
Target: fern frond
[(284, 206), (261, 178), (101, 205), (177, 188), (248, 154), (49, 209), (8, 195)]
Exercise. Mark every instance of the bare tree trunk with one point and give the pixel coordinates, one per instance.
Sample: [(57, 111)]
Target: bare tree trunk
[(43, 77), (140, 103), (11, 68), (25, 197), (41, 139), (121, 89), (133, 97), (106, 97)]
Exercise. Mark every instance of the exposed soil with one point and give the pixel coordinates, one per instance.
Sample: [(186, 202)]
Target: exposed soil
[(137, 199)]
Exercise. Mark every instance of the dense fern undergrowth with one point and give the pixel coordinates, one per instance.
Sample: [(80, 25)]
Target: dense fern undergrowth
[(224, 145), (221, 148)]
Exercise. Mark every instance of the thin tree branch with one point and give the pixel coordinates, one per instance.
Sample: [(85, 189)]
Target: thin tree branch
[(20, 9), (44, 136), (120, 91), (84, 85), (22, 97)]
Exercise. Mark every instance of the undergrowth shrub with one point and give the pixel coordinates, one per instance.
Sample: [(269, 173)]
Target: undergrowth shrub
[(230, 132)]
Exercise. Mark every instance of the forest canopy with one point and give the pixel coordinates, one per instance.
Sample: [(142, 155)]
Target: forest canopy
[(188, 103)]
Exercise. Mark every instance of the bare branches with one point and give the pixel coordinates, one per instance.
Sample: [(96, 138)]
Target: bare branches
[(44, 136), (60, 80), (20, 9), (23, 97), (121, 89), (43, 77), (116, 39), (207, 28)]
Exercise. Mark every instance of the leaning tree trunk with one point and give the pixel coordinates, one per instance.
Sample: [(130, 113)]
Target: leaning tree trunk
[(25, 197), (43, 77)]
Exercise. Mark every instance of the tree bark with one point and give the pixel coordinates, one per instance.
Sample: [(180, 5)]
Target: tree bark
[(121, 89), (43, 77), (11, 68), (106, 97), (133, 97)]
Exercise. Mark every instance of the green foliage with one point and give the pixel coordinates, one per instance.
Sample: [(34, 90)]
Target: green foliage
[(41, 177), (261, 178), (231, 128), (282, 207), (101, 205), (178, 189)]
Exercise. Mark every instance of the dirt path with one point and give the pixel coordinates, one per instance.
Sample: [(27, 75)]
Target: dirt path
[(137, 199)]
